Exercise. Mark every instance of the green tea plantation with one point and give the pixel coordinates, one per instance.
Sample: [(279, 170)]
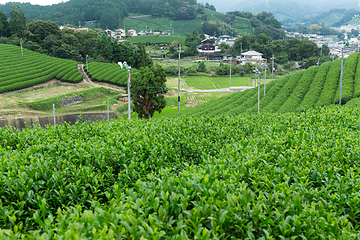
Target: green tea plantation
[(316, 86), (252, 176), (19, 71), (108, 72)]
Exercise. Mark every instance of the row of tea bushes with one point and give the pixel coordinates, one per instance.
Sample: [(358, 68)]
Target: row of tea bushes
[(255, 176), (21, 71)]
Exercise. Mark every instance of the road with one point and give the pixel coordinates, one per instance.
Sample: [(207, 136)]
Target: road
[(87, 80)]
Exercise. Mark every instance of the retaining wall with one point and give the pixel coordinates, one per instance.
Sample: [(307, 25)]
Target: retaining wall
[(20, 123)]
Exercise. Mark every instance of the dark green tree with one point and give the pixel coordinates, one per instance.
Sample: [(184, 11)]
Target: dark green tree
[(4, 26), (201, 67), (39, 30), (17, 21), (325, 50), (147, 91)]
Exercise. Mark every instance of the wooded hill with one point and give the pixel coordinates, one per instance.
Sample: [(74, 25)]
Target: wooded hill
[(316, 86), (185, 16)]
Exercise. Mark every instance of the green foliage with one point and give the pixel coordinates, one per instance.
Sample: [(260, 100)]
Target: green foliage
[(284, 92), (201, 67), (299, 92), (22, 71), (330, 86), (147, 91), (109, 72), (316, 87), (17, 21), (157, 39), (348, 81), (46, 104), (250, 176)]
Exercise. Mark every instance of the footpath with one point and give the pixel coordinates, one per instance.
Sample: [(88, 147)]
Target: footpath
[(87, 80)]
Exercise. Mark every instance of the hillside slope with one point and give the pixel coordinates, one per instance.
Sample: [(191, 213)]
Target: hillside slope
[(316, 86), (19, 71)]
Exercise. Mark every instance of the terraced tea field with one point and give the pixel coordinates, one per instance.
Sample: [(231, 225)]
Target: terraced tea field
[(314, 87), (108, 72), (21, 71), (252, 176)]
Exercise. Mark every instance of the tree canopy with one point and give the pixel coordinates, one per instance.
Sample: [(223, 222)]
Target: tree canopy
[(147, 91)]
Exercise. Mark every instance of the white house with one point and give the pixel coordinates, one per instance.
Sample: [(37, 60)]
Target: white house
[(120, 33), (251, 57), (132, 32)]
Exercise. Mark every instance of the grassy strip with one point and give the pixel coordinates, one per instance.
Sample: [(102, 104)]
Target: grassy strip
[(46, 104)]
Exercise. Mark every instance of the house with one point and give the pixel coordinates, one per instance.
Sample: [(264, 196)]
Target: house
[(120, 33), (230, 42), (208, 49), (225, 37), (251, 57), (132, 33), (206, 45), (110, 32)]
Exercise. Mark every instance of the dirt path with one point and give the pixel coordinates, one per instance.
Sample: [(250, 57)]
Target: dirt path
[(87, 80), (212, 82)]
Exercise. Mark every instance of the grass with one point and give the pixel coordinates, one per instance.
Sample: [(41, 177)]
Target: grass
[(175, 27), (156, 39), (217, 82)]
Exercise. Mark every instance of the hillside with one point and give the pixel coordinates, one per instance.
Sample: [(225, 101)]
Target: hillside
[(316, 86), (19, 71), (182, 27), (336, 17)]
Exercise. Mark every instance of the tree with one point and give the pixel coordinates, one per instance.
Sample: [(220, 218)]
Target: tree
[(39, 30), (147, 91), (17, 21), (201, 67), (4, 26), (325, 50)]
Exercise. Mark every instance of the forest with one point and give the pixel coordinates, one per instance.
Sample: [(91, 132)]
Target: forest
[(46, 37), (108, 13)]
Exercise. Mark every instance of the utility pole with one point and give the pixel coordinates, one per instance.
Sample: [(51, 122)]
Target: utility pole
[(128, 68), (255, 72), (265, 79), (341, 74), (230, 73), (87, 65), (272, 70), (54, 114), (21, 46), (179, 80), (342, 68)]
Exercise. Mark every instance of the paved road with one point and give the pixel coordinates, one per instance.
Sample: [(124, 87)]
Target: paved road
[(232, 89), (88, 81)]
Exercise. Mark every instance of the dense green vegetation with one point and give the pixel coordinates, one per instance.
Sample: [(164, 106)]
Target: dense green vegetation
[(109, 72), (316, 86), (46, 37), (21, 71), (248, 176), (107, 13)]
